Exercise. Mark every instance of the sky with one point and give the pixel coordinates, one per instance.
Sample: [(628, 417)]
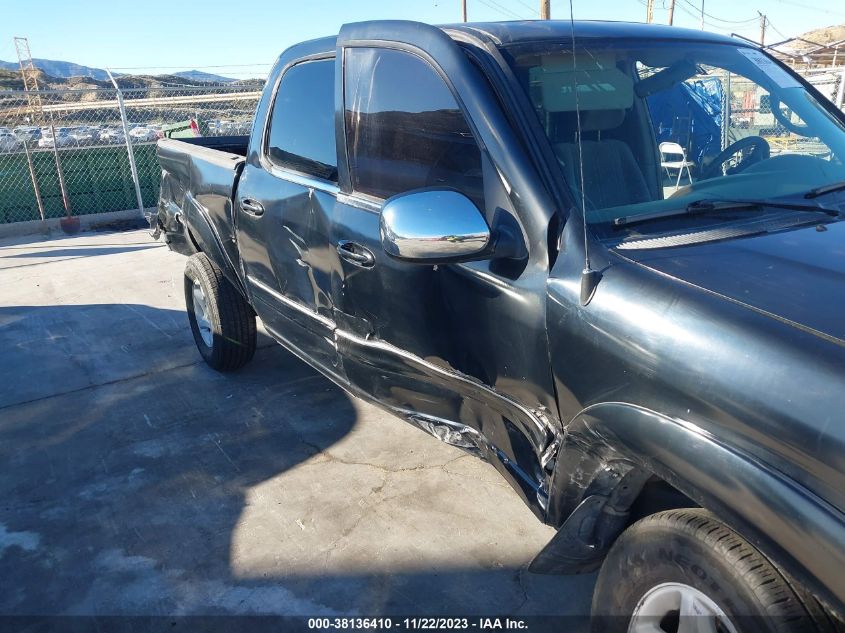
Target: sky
[(241, 39)]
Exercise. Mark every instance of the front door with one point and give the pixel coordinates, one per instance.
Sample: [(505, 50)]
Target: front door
[(286, 197), (459, 349)]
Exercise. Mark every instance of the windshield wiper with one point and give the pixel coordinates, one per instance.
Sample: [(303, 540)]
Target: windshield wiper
[(716, 205), (820, 191)]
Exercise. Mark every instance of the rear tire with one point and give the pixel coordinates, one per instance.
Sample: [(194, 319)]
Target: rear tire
[(222, 322), (681, 562)]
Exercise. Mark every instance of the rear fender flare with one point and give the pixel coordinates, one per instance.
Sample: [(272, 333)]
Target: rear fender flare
[(201, 232)]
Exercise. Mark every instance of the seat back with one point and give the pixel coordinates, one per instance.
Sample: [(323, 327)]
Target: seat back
[(612, 176)]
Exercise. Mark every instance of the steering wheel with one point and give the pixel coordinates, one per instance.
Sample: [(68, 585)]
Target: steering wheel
[(757, 144), (784, 120)]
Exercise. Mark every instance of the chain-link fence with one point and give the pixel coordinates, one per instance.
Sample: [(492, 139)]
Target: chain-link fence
[(753, 111), (70, 151)]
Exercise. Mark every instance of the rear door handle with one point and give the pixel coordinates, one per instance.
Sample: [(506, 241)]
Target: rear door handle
[(253, 207), (355, 254)]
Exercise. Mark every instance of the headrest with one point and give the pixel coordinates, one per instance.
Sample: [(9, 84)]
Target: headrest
[(597, 120), (599, 83)]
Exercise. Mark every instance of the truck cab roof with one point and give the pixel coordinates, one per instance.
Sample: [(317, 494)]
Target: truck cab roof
[(514, 32), (505, 33)]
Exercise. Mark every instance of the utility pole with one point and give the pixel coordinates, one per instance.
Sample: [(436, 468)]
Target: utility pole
[(671, 11), (545, 10), (762, 28), (702, 15), (464, 9), (649, 11)]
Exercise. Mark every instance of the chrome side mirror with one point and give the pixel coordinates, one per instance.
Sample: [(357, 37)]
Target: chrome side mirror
[(433, 225)]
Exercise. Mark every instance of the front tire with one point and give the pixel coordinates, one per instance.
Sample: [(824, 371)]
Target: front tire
[(674, 565), (222, 322)]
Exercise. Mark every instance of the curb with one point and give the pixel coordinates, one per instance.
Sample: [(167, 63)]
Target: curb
[(114, 220)]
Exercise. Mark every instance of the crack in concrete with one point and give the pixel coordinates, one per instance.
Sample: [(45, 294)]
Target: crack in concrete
[(318, 451), (387, 473), (109, 383), (520, 582)]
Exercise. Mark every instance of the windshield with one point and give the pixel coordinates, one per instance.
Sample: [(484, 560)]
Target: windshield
[(666, 124)]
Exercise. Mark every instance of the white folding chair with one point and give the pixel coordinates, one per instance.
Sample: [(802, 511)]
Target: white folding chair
[(673, 156)]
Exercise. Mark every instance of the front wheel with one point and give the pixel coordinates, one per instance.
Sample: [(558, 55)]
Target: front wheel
[(222, 322), (684, 570)]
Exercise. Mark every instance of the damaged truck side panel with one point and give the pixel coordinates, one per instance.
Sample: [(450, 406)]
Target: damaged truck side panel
[(583, 409)]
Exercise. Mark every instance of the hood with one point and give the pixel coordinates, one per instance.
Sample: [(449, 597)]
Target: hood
[(797, 276)]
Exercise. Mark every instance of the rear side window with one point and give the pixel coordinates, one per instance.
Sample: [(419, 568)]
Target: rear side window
[(302, 134), (404, 129)]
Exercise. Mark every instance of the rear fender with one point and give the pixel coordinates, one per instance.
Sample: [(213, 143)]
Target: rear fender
[(202, 233)]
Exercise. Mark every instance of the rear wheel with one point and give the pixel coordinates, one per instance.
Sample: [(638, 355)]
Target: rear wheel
[(684, 570), (222, 322)]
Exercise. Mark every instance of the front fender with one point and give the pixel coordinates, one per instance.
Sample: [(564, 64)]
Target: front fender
[(796, 529)]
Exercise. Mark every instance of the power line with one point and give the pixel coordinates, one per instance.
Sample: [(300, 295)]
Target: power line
[(713, 17), (811, 8), (776, 30), (698, 17), (528, 6), (508, 13)]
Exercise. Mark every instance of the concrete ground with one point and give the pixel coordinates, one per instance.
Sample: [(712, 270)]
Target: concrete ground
[(136, 480)]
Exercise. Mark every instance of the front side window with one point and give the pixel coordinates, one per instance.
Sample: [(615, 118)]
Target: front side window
[(404, 128), (670, 129), (302, 131)]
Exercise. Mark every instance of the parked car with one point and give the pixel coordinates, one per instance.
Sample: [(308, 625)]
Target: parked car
[(9, 142), (468, 227), (143, 134), (85, 135), (112, 135), (63, 138), (27, 133)]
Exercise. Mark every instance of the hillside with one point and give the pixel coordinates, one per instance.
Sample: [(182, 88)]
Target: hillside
[(60, 70), (11, 80), (824, 35), (199, 75)]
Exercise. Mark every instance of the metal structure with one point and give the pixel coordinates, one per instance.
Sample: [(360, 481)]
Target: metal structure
[(29, 74), (800, 52)]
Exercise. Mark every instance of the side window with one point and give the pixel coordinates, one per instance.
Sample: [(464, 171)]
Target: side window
[(404, 129), (302, 132)]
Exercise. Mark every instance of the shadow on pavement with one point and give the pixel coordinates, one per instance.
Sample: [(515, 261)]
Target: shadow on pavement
[(122, 494), (81, 251)]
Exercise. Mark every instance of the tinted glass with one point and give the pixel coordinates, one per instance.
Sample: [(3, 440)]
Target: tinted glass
[(671, 124), (404, 128), (302, 124)]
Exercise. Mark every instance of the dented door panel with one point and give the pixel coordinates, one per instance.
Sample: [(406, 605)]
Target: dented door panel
[(285, 255), (451, 342)]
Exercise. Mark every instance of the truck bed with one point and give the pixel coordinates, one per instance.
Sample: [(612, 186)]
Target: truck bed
[(229, 144)]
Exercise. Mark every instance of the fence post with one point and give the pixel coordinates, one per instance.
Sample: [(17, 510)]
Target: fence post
[(59, 171), (840, 93), (130, 152), (34, 180)]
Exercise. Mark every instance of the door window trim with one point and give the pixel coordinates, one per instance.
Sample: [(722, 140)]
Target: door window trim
[(281, 171), (367, 201)]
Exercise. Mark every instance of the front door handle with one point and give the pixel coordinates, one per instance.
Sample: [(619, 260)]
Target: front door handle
[(253, 207), (355, 254)]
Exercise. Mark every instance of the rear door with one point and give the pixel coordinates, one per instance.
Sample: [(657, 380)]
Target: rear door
[(285, 200), (460, 349)]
